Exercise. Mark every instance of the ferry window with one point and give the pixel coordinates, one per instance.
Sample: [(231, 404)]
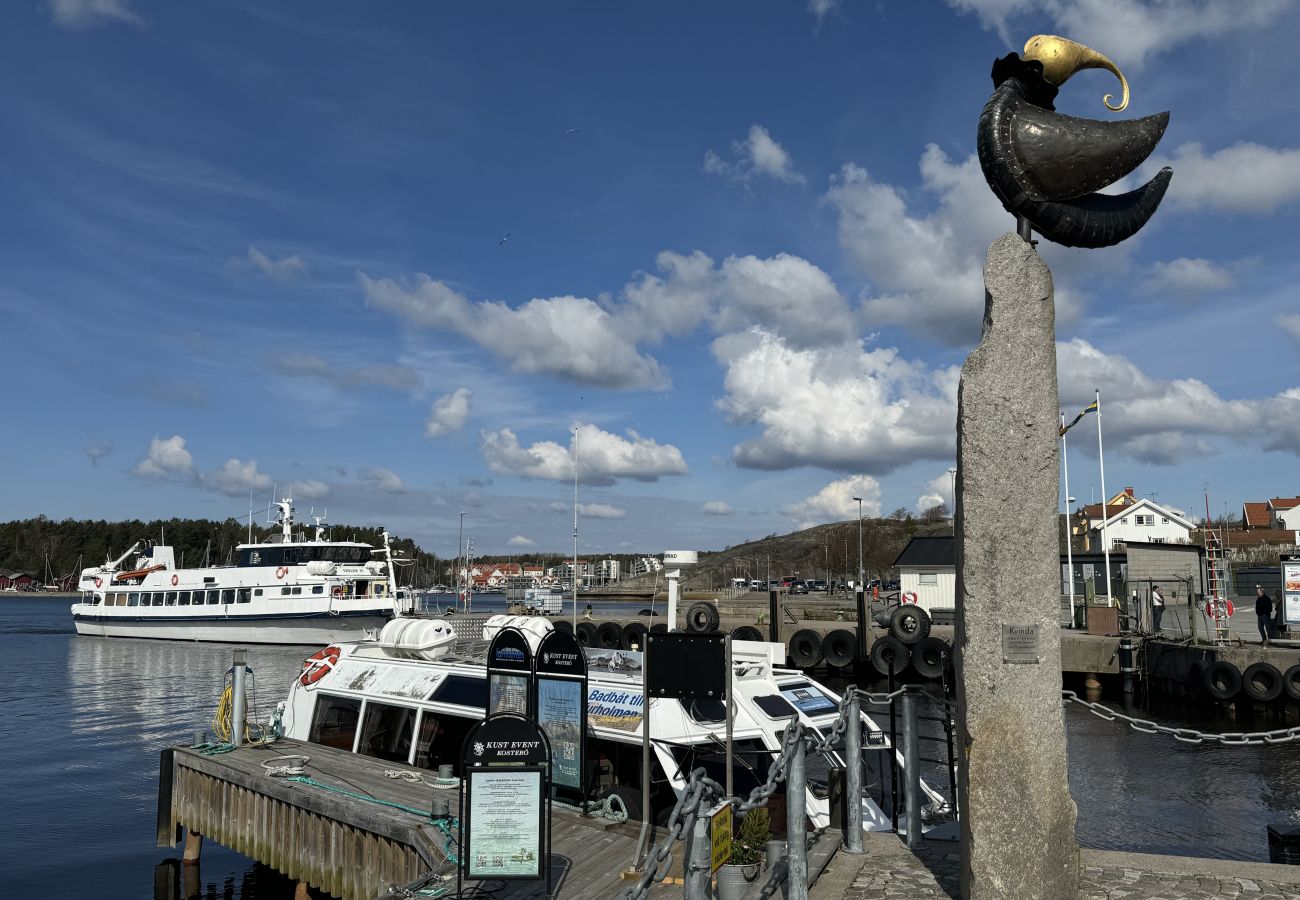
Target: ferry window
[(441, 738), (257, 592), (462, 690), (318, 589), (284, 591), (334, 723), (774, 706), (183, 599), (214, 597), (386, 733), (119, 599), (228, 595), (297, 591), (133, 599), (244, 595), (157, 598), (171, 598)]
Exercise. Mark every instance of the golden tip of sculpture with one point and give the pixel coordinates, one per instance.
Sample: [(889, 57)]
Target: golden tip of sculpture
[(1062, 57)]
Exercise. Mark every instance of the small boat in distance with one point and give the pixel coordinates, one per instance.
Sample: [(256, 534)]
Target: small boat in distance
[(288, 589)]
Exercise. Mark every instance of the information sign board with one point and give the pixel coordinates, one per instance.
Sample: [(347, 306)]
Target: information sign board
[(509, 671), (720, 826), (686, 666), (1290, 598), (1020, 644), (561, 705)]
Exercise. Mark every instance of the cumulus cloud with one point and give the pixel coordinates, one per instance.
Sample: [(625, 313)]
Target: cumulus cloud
[(820, 9), (520, 541), (236, 478), (602, 457), (835, 502), (448, 413), (757, 155), (282, 269), (841, 407), (600, 511), (938, 490), (307, 365), (568, 337), (717, 508), (97, 451), (311, 489), (1244, 178), (80, 14), (382, 479), (166, 458), (1184, 276), (1288, 322), (784, 294), (1128, 31)]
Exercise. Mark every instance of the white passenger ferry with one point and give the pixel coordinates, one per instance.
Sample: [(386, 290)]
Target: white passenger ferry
[(411, 695), (289, 589)]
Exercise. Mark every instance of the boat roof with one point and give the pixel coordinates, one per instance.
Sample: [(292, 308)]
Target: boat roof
[(303, 543)]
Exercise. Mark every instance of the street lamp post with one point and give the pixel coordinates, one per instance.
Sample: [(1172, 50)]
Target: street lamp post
[(952, 490), (860, 585), (460, 552)]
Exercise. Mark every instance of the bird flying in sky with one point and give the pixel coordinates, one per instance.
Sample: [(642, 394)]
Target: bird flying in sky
[(504, 239)]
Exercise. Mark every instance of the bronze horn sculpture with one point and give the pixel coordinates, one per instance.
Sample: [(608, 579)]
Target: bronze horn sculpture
[(1045, 167)]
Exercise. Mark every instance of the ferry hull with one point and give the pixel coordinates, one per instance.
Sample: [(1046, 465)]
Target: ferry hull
[(314, 629)]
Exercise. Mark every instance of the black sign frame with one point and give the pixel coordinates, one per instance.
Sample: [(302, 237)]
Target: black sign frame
[(560, 658), (488, 747), (510, 657), (680, 665)]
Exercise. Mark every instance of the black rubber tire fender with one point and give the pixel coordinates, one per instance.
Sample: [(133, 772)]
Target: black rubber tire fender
[(608, 635), (702, 618), (1291, 682), (746, 633), (1221, 680), (1261, 682), (805, 648), (659, 628), (586, 634), (840, 647), (930, 656), (909, 623), (562, 625), (633, 633), (889, 654)]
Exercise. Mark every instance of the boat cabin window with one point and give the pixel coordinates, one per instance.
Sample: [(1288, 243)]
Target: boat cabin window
[(257, 592), (157, 598), (183, 598), (807, 699), (284, 591), (462, 690), (214, 597), (707, 712), (750, 762), (245, 595), (133, 599), (334, 722), (318, 588), (774, 706), (297, 591), (386, 733), (228, 595), (171, 598), (441, 739)]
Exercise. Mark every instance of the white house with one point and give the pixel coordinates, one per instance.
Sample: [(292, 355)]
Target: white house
[(1144, 521), (927, 567)]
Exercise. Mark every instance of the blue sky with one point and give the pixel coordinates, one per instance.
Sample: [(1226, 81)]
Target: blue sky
[(252, 245)]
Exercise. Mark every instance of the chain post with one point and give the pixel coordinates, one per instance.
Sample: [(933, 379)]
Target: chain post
[(912, 772), (853, 774), (796, 839), (697, 868)]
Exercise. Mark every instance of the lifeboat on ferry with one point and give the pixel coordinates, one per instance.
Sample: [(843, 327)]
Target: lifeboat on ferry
[(138, 573), (534, 627), (428, 639)]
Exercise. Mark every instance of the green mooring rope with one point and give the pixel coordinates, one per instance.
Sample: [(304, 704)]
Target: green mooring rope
[(443, 825)]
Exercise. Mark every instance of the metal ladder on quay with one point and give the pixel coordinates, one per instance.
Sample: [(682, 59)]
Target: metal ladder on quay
[(1216, 573)]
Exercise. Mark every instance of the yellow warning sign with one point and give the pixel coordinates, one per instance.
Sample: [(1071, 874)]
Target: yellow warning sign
[(720, 835)]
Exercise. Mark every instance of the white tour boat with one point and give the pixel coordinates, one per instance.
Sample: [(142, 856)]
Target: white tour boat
[(289, 589), (410, 695)]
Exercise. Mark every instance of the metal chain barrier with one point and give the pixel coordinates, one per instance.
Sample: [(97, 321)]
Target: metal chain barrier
[(1187, 735)]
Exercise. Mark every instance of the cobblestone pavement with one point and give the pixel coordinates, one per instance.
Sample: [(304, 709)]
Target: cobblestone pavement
[(889, 871)]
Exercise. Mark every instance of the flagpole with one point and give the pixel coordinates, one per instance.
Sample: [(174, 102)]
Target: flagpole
[(1069, 526), (1105, 511)]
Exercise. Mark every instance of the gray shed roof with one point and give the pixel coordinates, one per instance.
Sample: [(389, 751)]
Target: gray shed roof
[(932, 550)]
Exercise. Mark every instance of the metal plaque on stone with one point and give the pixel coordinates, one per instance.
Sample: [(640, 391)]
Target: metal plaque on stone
[(1020, 644)]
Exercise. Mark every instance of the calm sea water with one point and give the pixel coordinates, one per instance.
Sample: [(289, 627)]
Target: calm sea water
[(84, 719)]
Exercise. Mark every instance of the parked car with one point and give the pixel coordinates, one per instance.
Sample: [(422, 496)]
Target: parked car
[(819, 586), (798, 587), (756, 585)]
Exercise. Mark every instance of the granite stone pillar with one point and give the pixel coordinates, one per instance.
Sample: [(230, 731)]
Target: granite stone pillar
[(1017, 816)]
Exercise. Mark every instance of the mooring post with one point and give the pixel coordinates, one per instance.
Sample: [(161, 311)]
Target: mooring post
[(697, 873), (796, 840), (912, 771), (301, 891), (193, 848), (853, 775), (238, 698), (864, 626), (773, 619)]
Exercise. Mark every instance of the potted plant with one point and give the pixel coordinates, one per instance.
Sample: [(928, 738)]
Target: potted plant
[(746, 855)]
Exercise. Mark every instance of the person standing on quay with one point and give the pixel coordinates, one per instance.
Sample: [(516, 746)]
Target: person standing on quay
[(1157, 608), (1263, 613)]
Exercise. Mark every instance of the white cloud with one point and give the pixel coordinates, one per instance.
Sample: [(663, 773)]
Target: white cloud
[(835, 502), (1128, 31), (166, 458), (675, 303), (841, 407), (78, 14), (938, 490), (1186, 276), (822, 8), (97, 451), (236, 478), (600, 511), (311, 489), (307, 365), (383, 479), (448, 414), (717, 508), (283, 269), (520, 541), (1288, 322), (603, 458), (785, 294), (757, 154), (1244, 178)]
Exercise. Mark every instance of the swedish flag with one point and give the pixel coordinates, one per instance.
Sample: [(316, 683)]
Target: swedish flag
[(1091, 407)]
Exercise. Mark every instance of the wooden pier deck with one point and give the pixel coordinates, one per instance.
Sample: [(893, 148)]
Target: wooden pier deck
[(350, 847)]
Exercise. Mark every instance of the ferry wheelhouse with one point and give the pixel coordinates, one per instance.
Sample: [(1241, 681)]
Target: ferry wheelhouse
[(288, 589), (411, 695)]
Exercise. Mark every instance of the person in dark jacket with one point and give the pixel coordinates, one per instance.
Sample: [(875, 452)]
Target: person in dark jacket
[(1263, 613)]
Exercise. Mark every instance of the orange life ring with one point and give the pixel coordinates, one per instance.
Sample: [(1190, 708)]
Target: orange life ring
[(282, 571), (338, 590), (99, 582), (316, 666), (176, 579)]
